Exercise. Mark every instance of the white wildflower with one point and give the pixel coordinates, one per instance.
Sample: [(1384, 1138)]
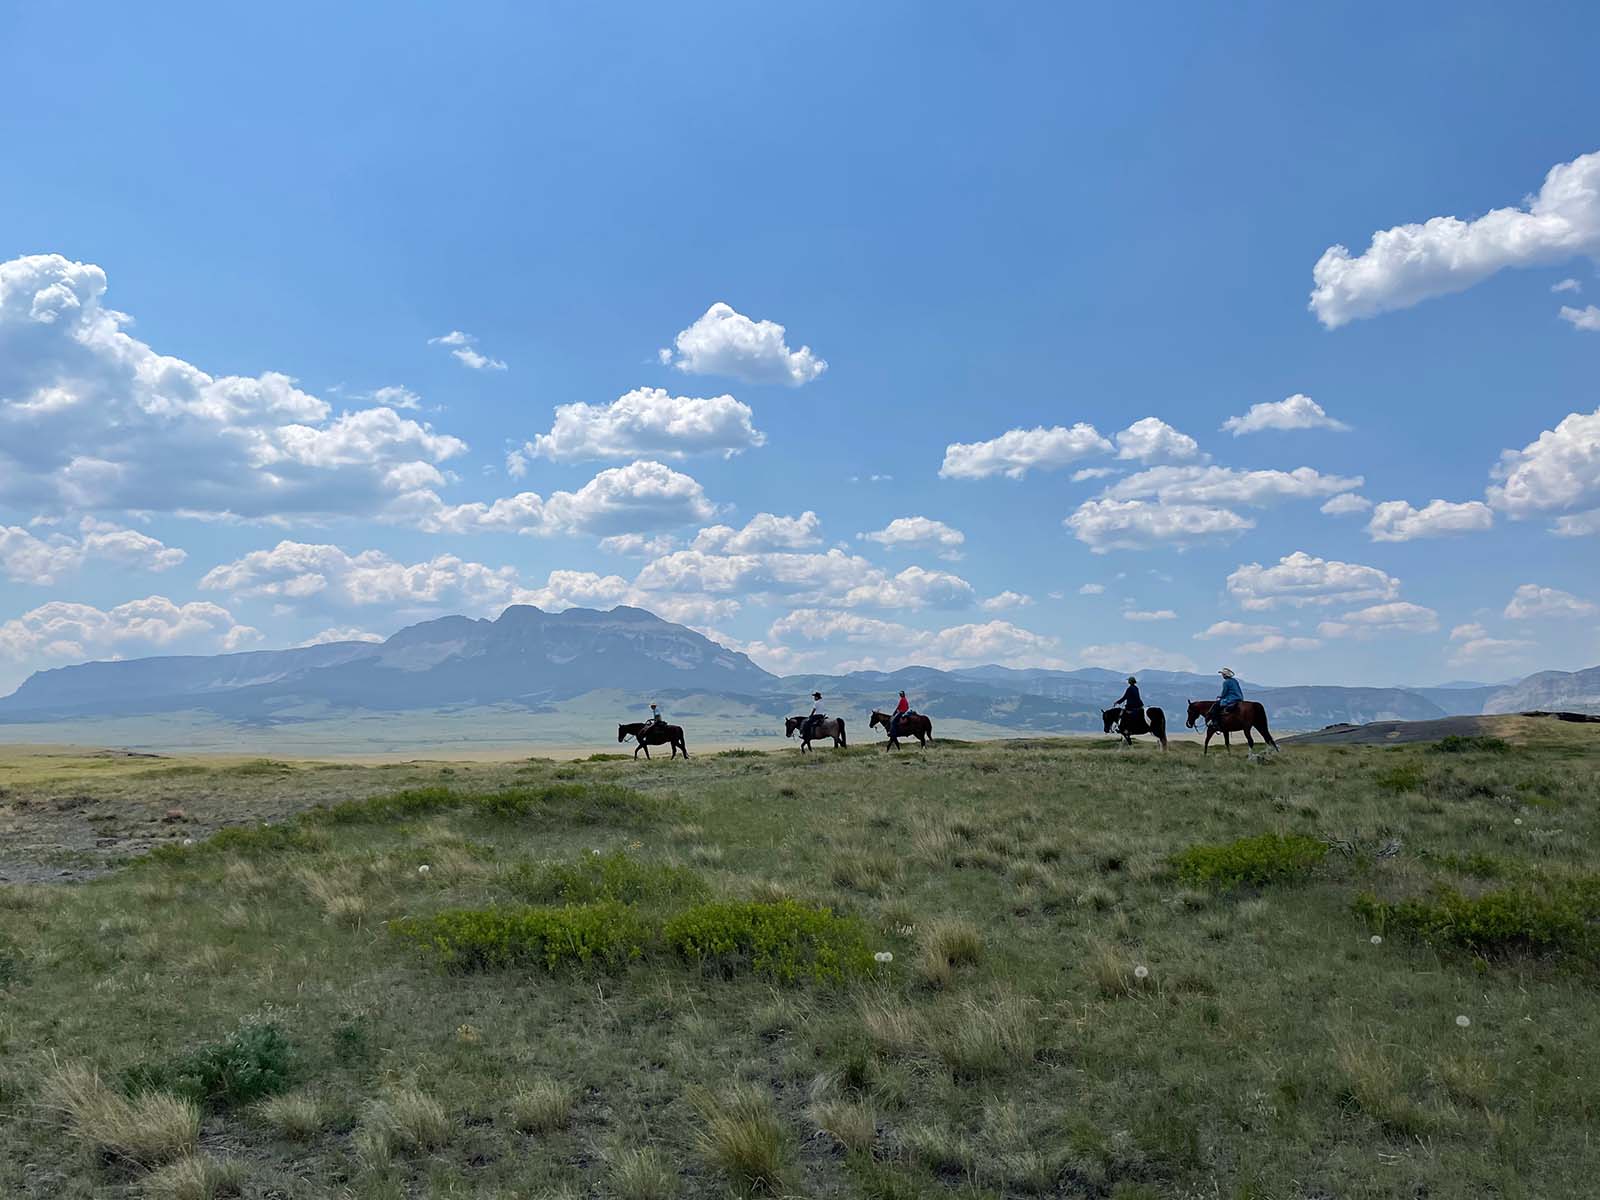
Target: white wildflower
[(1141, 972), (424, 869), (1376, 940), (883, 956), (1463, 1020)]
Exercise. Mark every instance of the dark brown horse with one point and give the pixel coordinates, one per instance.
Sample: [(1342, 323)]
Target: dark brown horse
[(653, 735), (1241, 718), (912, 724), (1155, 722), (827, 727)]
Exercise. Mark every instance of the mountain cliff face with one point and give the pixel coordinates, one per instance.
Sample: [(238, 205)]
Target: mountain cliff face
[(533, 658)]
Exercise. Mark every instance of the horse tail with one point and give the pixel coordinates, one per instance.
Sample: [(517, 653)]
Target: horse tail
[(1261, 725), (929, 722), (1158, 725), (843, 741)]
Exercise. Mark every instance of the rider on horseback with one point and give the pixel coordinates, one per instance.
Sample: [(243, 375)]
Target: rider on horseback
[(657, 717), (902, 709), (815, 718), (1132, 706), (1232, 694)]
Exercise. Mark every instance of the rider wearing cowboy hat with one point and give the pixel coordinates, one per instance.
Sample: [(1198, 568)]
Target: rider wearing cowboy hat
[(1230, 697), (900, 710), (816, 715), (657, 717)]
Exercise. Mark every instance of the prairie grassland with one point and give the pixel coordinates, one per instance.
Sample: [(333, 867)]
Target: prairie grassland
[(1113, 974)]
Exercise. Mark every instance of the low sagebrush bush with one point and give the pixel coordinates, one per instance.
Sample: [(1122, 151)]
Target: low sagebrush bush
[(1528, 917), (1251, 862), (786, 941), (469, 939), (744, 1138), (149, 1129), (246, 841), (253, 1061), (600, 877)]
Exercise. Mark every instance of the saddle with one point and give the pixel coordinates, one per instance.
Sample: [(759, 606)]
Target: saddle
[(1133, 721)]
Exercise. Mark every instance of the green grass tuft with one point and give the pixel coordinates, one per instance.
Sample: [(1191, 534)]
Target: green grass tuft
[(591, 878), (606, 935), (1529, 917), (783, 940), (1251, 862)]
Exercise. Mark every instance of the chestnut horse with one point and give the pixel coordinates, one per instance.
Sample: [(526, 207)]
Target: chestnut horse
[(1242, 717), (912, 724), (653, 735), (827, 727), (1157, 725)]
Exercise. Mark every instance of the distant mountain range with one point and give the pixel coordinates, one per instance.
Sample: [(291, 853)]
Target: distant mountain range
[(534, 659)]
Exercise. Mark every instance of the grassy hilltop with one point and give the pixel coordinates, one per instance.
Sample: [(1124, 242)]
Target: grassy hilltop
[(1343, 971)]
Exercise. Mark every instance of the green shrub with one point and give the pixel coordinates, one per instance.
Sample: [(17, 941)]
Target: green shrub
[(1556, 918), (1478, 743), (596, 877), (572, 803), (254, 1061), (466, 939), (247, 841), (1483, 866), (1254, 862), (783, 940), (1405, 777)]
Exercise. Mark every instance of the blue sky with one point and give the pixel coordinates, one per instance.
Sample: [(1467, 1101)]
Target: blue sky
[(445, 226)]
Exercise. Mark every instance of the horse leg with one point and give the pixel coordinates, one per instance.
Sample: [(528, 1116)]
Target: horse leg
[(1261, 727), (1205, 747)]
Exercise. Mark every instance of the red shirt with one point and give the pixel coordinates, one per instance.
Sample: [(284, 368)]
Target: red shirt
[(903, 706)]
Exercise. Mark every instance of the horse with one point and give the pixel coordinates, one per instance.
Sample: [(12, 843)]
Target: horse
[(653, 735), (827, 727), (1156, 724), (1242, 717), (915, 724)]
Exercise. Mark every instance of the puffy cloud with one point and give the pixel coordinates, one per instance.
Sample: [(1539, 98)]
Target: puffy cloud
[(1346, 503), (833, 579), (345, 633), (1092, 589), (1222, 629), (1397, 521), (91, 418), (645, 421), (763, 532), (1274, 643), (1005, 600), (25, 558), (1530, 600), (921, 532), (1300, 579), (725, 342), (1296, 412), (1088, 473), (1151, 439), (959, 645), (1130, 656), (1473, 644), (1229, 485), (637, 545), (1160, 614), (1398, 616), (1559, 469), (1567, 285), (1108, 524), (63, 631), (1586, 318), (462, 346), (1582, 524), (641, 497), (1018, 451), (326, 576), (1411, 263)]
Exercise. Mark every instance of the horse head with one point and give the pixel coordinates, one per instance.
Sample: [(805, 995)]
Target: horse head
[(622, 733), (1109, 716), (790, 724), (1197, 709), (877, 719)]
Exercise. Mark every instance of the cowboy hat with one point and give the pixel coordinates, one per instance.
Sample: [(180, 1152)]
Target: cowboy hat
[(1131, 679), (1225, 673), (816, 695)]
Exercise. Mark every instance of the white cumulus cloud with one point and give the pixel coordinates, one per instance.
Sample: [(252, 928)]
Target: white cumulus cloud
[(1108, 524), (1151, 439), (1159, 614), (326, 576), (1559, 469), (1296, 412), (1018, 451), (725, 342), (1300, 579), (62, 631), (26, 558), (647, 421), (919, 533), (1004, 600), (1398, 521), (1230, 485), (1586, 318), (761, 533), (1530, 600), (1346, 503), (1397, 616), (1411, 263)]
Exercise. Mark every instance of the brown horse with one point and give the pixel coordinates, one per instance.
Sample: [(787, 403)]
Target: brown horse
[(653, 735), (1241, 718), (914, 724), (1157, 725), (827, 727)]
